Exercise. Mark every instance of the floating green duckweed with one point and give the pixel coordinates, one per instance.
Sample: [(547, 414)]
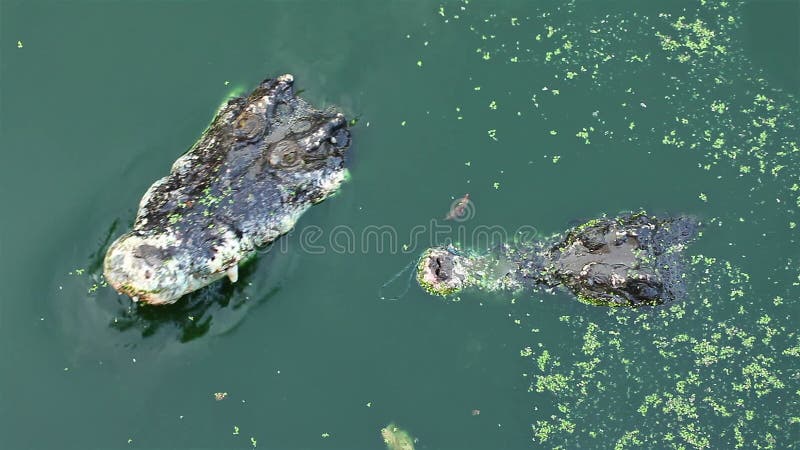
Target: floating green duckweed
[(707, 389), (720, 369)]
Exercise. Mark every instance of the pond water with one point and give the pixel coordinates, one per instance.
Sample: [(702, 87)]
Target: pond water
[(546, 115)]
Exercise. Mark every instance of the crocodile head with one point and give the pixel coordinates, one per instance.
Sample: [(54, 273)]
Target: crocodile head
[(442, 272), (263, 161)]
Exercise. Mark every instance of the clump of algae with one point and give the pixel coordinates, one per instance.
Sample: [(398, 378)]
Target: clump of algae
[(396, 438)]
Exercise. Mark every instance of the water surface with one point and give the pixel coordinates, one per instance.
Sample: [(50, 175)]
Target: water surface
[(547, 115)]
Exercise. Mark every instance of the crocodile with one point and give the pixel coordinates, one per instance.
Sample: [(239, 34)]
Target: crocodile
[(263, 161), (631, 260)]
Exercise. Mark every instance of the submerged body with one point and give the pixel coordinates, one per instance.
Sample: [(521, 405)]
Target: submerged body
[(631, 260), (263, 161)]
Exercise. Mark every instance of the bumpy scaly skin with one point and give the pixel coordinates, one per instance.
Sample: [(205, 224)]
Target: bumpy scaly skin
[(632, 260), (263, 161)]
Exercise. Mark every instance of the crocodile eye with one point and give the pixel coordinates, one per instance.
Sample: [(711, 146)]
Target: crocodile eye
[(286, 155), (289, 159), (249, 126)]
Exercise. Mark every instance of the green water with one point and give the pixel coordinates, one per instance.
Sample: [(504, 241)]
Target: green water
[(99, 98)]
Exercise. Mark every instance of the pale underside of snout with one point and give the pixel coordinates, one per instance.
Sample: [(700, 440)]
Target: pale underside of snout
[(157, 270)]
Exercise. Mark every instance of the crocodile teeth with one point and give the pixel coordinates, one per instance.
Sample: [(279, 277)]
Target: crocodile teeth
[(233, 273)]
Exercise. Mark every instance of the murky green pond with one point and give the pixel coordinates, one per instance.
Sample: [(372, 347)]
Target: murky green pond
[(546, 113)]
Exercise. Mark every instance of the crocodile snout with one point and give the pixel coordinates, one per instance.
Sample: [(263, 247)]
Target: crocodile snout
[(140, 269)]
